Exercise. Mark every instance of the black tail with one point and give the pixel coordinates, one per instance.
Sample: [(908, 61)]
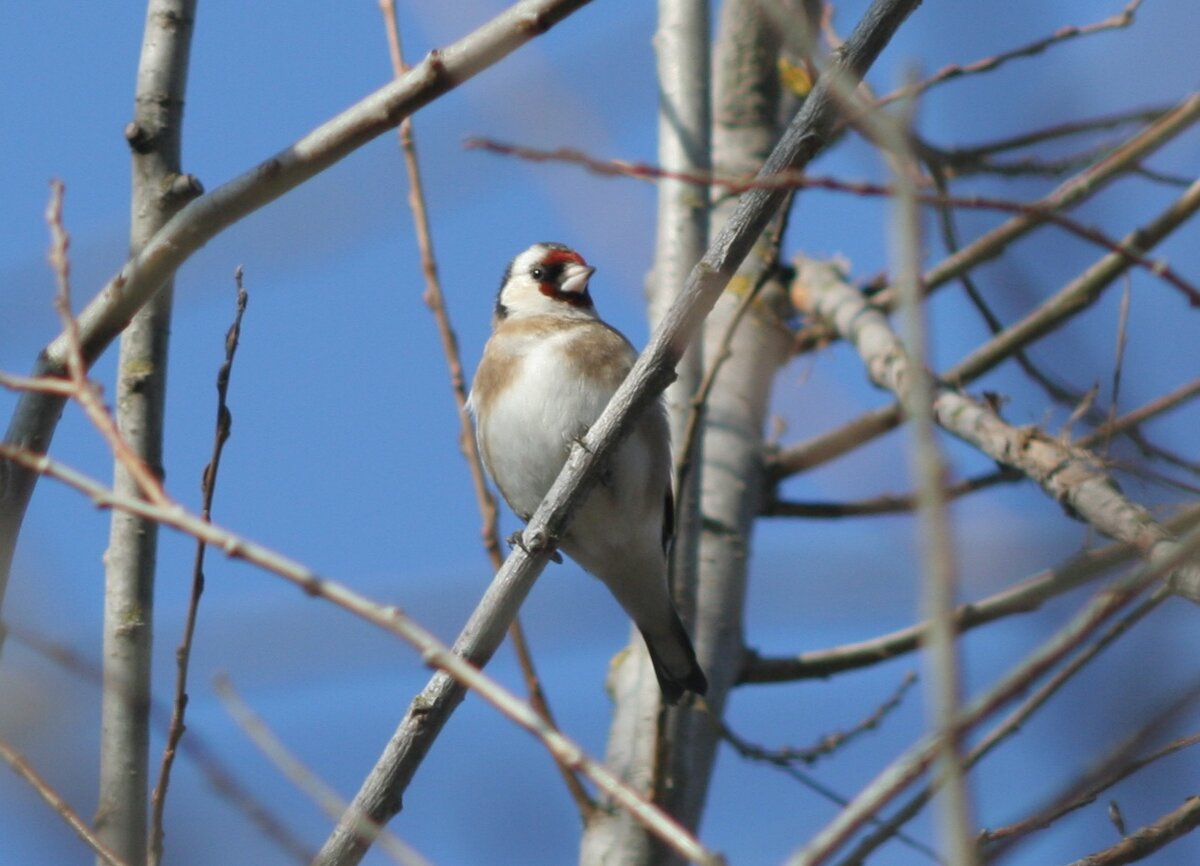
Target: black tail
[(684, 673)]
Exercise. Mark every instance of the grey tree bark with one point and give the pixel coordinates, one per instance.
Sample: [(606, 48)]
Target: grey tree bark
[(672, 754), (682, 49), (159, 191), (108, 313)]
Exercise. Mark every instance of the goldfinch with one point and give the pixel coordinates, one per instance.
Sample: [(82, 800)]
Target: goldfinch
[(548, 370)]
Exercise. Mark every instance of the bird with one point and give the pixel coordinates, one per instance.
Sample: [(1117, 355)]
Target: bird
[(548, 370)]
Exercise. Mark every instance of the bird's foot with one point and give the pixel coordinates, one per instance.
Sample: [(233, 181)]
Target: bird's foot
[(537, 543)]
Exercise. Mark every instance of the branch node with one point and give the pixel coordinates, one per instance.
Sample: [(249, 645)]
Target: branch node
[(139, 139)]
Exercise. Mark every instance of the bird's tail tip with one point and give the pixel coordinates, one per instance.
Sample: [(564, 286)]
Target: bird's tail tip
[(683, 676)]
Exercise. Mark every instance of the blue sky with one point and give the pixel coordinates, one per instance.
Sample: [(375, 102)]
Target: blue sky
[(343, 452)]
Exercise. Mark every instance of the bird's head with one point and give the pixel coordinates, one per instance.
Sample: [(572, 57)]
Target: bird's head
[(546, 279)]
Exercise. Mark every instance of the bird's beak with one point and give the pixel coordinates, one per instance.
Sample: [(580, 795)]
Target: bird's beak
[(575, 278)]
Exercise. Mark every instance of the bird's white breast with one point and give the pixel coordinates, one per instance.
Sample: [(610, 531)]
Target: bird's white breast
[(547, 402)]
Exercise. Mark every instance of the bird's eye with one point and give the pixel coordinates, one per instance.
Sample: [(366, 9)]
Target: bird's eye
[(538, 273)]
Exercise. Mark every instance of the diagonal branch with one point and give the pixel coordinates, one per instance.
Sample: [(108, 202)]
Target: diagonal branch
[(435, 300), (1070, 475), (379, 798), (909, 766), (36, 416), (1023, 597), (55, 801), (388, 618), (1052, 313), (1145, 841)]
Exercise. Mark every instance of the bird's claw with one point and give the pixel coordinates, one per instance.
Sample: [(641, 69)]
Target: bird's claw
[(538, 542)]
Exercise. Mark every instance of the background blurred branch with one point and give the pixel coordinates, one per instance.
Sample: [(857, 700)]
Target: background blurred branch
[(435, 300), (36, 415)]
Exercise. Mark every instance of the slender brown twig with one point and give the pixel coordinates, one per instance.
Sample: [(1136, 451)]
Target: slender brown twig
[(1013, 722), (183, 653), (435, 300), (885, 503), (948, 73), (82, 389), (1037, 211), (54, 800), (389, 618), (1113, 775), (303, 777), (221, 778), (960, 159), (829, 743)]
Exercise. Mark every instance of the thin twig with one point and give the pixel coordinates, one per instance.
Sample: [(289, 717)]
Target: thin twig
[(83, 390), (961, 158), (221, 778), (54, 800), (183, 653), (302, 776), (435, 300), (1118, 365), (947, 73), (1024, 597), (885, 503), (1047, 817), (909, 766), (1038, 212), (389, 618), (829, 743)]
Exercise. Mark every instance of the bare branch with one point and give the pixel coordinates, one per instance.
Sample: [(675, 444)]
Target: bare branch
[(885, 503), (36, 415), (829, 743), (1063, 34), (388, 618), (1077, 295), (55, 801), (183, 653), (435, 300), (1067, 474), (303, 777), (1145, 841), (905, 769)]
